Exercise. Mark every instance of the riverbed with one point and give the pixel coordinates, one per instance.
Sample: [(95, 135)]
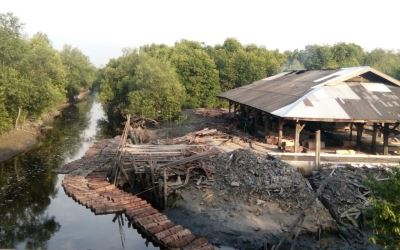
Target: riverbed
[(36, 213)]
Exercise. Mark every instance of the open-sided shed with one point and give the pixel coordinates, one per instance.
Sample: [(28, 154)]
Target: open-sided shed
[(357, 95)]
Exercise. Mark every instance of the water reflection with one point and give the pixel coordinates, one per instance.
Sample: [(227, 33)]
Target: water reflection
[(35, 213)]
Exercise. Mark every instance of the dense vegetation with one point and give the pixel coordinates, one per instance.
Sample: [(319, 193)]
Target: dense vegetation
[(385, 211), (34, 77)]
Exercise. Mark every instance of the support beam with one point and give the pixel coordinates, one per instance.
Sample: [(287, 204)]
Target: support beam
[(317, 148), (230, 109), (280, 131), (351, 132), (254, 122), (266, 125), (374, 135), (298, 129), (386, 133), (360, 129)]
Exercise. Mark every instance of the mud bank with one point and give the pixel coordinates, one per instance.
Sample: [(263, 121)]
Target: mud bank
[(26, 137)]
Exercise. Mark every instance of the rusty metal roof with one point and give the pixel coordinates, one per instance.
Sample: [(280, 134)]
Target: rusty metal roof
[(347, 94)]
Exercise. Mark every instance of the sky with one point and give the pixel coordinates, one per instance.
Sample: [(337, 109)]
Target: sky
[(101, 29)]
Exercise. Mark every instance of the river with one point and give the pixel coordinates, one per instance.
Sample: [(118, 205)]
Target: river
[(35, 213)]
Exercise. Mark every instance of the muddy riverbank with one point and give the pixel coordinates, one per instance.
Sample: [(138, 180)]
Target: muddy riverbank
[(26, 136)]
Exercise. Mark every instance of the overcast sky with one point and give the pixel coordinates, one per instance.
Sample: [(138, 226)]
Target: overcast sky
[(101, 29)]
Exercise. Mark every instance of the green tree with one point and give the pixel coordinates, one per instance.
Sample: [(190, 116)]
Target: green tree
[(347, 54), (42, 68), (225, 60), (5, 120), (384, 60), (385, 210), (16, 94), (155, 91), (12, 46), (318, 57), (142, 85), (80, 73), (197, 72), (240, 65)]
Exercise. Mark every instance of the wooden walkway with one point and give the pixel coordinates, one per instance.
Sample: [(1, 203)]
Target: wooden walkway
[(91, 189)]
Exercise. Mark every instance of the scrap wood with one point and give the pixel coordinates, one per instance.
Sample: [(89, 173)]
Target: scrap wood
[(189, 159), (347, 191), (300, 218)]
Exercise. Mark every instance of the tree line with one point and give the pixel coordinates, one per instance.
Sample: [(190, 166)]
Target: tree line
[(157, 80), (35, 77)]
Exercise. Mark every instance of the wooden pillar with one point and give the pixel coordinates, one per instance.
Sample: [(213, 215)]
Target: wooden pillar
[(386, 133), (230, 109), (374, 134), (298, 129), (317, 148), (360, 129), (351, 132), (266, 125), (280, 131)]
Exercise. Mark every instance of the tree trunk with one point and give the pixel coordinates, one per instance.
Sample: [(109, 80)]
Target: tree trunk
[(19, 114)]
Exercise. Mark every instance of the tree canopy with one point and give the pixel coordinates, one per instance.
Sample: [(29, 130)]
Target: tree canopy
[(34, 77), (139, 84)]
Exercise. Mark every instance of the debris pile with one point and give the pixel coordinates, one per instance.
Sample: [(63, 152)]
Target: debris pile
[(345, 195), (248, 174)]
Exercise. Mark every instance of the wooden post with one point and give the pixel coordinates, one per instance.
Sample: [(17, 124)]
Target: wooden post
[(165, 189), (386, 133), (230, 109), (255, 119), (153, 181), (360, 129), (351, 132), (266, 125), (298, 129), (317, 148), (374, 134), (280, 131)]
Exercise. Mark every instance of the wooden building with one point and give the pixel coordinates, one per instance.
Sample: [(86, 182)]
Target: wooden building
[(356, 96)]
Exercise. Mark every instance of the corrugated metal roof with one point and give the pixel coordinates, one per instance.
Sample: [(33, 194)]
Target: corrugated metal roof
[(323, 95)]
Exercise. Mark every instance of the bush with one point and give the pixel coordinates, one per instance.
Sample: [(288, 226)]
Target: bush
[(385, 211)]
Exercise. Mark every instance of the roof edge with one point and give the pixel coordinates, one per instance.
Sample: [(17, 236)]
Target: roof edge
[(361, 71)]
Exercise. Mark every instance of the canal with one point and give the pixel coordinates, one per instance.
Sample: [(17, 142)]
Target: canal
[(35, 213)]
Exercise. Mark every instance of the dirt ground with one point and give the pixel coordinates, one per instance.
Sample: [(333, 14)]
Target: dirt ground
[(16, 142), (251, 200)]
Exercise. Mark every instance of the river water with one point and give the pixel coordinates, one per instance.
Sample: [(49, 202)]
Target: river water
[(35, 213)]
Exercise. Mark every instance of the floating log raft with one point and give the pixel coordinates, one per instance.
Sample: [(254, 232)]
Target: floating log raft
[(91, 188)]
